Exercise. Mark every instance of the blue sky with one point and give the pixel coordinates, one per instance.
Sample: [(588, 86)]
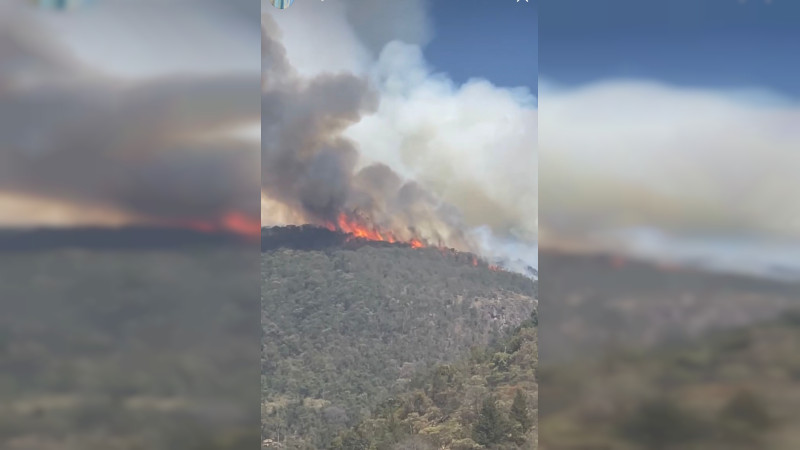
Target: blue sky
[(493, 39), (726, 44)]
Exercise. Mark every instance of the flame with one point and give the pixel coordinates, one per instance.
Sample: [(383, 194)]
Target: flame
[(233, 222), (238, 223), (359, 230)]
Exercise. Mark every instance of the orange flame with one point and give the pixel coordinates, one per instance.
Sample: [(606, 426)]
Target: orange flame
[(359, 230), (238, 223), (233, 222)]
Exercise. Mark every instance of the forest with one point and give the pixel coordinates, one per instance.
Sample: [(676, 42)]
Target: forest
[(129, 350), (345, 330), (643, 356), (486, 401), (732, 389)]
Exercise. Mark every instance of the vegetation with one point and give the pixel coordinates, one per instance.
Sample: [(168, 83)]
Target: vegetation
[(487, 401), (597, 303), (124, 350), (737, 389), (347, 330)]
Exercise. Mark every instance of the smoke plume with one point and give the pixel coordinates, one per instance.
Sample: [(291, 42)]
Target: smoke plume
[(310, 166), (158, 149), (693, 162), (700, 175), (387, 142)]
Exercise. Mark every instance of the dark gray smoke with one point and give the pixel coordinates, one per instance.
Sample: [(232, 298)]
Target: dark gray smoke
[(159, 148), (308, 166)]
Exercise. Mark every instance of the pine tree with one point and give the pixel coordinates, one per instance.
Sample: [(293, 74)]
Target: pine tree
[(519, 411), (491, 427)]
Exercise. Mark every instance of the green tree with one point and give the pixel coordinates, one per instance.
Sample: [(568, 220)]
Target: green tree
[(351, 440), (414, 443), (491, 427), (519, 411)]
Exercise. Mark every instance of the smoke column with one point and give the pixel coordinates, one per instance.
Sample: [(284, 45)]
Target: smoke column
[(385, 141), (157, 149)]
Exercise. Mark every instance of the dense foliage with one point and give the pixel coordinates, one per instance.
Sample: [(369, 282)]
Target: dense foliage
[(590, 303), (738, 389), (119, 350), (487, 401), (345, 330)]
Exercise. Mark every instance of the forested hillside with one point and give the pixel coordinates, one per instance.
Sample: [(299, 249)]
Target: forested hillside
[(344, 330), (487, 401), (737, 389), (594, 302), (641, 356), (129, 350)]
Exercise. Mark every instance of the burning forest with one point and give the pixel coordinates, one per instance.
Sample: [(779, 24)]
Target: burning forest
[(312, 237), (313, 173), (311, 169)]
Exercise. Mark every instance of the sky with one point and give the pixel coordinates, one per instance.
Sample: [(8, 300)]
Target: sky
[(707, 43), (669, 129), (488, 38)]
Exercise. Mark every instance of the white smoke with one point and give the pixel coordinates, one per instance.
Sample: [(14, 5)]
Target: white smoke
[(474, 145), (691, 165)]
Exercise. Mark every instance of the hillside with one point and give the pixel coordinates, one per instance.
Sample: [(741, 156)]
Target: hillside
[(640, 356), (738, 389), (344, 329), (127, 350), (485, 401), (595, 302)]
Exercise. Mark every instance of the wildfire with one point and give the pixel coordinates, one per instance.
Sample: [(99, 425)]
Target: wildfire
[(476, 262), (359, 230), (233, 222), (241, 224)]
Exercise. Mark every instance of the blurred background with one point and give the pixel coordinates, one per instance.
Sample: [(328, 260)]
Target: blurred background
[(669, 224), (129, 203)]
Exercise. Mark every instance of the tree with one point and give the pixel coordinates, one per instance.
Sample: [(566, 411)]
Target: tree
[(491, 427), (350, 440), (519, 411), (414, 443)]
